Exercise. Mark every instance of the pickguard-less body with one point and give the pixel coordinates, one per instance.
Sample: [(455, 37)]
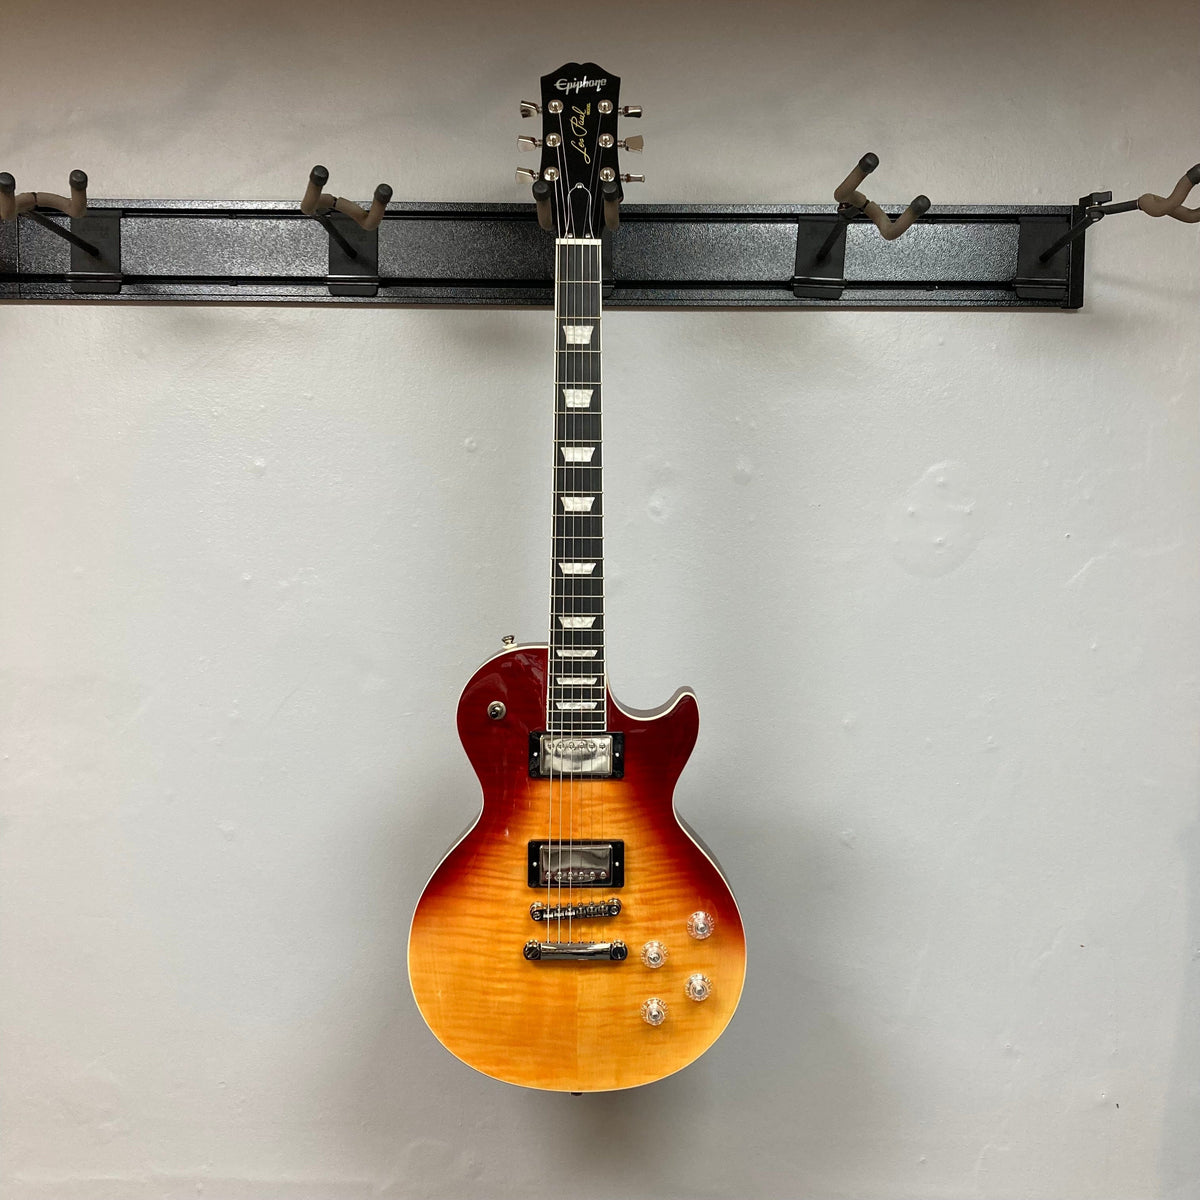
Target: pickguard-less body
[(572, 1026)]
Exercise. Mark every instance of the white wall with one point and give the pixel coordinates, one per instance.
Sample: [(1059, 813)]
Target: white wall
[(251, 554)]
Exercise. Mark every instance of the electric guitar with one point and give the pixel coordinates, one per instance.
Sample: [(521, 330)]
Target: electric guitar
[(578, 937)]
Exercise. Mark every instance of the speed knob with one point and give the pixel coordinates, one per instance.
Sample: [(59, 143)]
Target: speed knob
[(698, 987), (700, 925), (654, 1011)]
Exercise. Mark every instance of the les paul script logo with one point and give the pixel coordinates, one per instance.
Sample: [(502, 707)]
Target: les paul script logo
[(579, 129)]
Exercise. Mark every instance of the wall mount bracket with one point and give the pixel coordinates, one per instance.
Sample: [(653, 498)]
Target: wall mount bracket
[(677, 256)]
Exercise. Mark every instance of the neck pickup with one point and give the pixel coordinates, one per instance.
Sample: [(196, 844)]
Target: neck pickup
[(576, 755)]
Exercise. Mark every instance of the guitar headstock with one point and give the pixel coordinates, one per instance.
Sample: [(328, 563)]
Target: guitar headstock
[(578, 186)]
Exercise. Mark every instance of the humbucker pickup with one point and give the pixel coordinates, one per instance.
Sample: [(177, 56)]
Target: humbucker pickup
[(576, 755), (576, 864)]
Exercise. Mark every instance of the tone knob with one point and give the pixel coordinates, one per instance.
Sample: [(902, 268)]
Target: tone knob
[(698, 987), (654, 1011), (654, 954), (700, 925)]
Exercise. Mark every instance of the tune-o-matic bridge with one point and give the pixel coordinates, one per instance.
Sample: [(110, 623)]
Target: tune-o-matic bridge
[(576, 951), (574, 912), (577, 755)]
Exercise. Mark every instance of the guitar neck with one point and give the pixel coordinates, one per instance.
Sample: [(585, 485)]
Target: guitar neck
[(575, 697)]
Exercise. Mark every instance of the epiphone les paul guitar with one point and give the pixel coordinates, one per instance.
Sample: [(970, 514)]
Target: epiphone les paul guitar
[(578, 937)]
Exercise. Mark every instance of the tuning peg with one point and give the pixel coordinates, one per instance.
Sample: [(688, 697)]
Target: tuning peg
[(633, 178), (526, 175), (631, 110), (530, 108), (634, 143), (528, 143)]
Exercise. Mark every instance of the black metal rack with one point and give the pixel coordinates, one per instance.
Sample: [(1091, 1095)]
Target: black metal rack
[(680, 256)]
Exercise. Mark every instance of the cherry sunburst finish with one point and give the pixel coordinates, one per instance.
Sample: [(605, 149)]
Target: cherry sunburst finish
[(578, 937)]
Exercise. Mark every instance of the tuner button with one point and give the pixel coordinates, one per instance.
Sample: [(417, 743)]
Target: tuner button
[(530, 108), (634, 143), (700, 925), (607, 174), (526, 175), (654, 954), (654, 1011), (528, 143), (631, 110), (698, 987), (550, 174), (605, 106), (633, 178)]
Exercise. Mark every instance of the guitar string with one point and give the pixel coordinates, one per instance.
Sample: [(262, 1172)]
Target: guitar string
[(554, 724), (572, 284), (569, 553), (551, 723)]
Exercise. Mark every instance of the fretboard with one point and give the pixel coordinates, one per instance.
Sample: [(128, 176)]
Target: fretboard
[(576, 691)]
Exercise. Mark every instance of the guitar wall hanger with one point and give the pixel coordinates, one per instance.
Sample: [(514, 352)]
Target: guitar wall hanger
[(1097, 206), (820, 272), (682, 256), (353, 235), (94, 238)]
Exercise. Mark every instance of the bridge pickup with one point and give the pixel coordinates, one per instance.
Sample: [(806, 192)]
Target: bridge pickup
[(577, 755), (574, 912), (576, 864), (576, 951)]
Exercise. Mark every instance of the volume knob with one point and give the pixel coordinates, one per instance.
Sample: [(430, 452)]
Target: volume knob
[(654, 1011), (654, 954), (700, 925), (698, 987)]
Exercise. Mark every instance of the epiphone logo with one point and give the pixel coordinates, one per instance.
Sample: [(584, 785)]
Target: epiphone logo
[(577, 85)]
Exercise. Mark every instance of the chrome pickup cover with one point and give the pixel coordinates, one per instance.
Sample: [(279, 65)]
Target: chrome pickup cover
[(579, 755), (576, 864)]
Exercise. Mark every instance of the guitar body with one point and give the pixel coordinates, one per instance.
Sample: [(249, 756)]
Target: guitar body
[(572, 1026)]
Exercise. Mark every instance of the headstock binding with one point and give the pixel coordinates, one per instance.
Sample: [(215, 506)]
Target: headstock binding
[(580, 169)]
